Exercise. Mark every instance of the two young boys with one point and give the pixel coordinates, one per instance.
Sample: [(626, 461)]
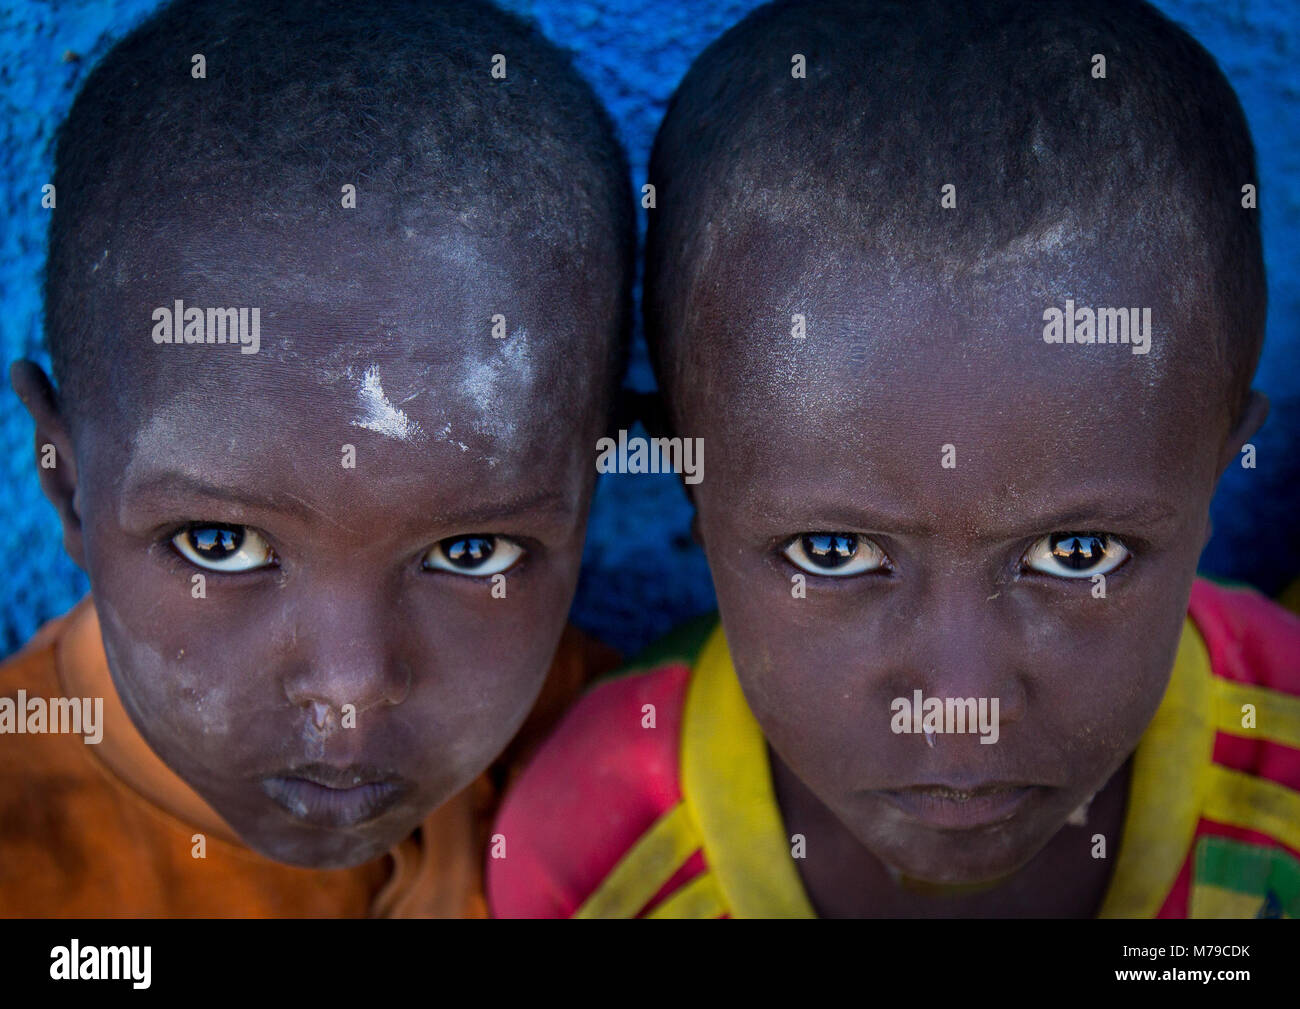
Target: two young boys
[(919, 490)]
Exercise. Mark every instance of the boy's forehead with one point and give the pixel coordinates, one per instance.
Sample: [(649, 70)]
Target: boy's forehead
[(893, 366), (785, 307), (385, 341), (388, 439), (362, 269), (386, 450), (336, 301)]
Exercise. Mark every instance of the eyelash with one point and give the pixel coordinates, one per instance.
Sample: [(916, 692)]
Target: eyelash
[(1131, 547), (490, 570), (174, 555), (827, 582), (1127, 545)]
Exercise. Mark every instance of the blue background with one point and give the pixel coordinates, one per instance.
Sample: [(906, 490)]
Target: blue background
[(642, 573)]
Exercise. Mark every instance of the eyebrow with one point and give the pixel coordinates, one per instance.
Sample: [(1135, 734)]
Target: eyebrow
[(1096, 513), (173, 484), (1142, 512)]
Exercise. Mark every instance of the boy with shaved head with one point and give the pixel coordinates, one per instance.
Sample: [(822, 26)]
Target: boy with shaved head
[(335, 301), (966, 300)]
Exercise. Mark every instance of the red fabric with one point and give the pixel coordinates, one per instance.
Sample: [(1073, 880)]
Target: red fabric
[(1260, 757), (1175, 905), (587, 797), (1254, 641), (691, 868), (1250, 638)]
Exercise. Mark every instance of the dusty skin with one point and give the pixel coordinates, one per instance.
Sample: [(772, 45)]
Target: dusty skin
[(455, 434), (843, 432)]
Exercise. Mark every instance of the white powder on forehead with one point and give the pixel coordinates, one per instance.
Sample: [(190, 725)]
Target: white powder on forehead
[(378, 414), (159, 437), (486, 382)]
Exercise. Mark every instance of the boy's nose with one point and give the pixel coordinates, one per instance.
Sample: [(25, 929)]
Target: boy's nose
[(960, 647), (346, 655), (323, 715)]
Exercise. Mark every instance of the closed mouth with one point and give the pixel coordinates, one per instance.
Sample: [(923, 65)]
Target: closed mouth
[(962, 794), (951, 807), (332, 796)]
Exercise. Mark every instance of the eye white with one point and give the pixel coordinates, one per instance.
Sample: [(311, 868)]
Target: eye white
[(476, 556), (1076, 555), (835, 555), (223, 548)]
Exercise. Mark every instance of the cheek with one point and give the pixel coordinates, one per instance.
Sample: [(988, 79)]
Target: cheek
[(185, 686), (810, 682), (488, 673), (1104, 675), (477, 662), (176, 663)]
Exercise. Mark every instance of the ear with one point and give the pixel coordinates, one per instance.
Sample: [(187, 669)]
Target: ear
[(1248, 422), (55, 462)]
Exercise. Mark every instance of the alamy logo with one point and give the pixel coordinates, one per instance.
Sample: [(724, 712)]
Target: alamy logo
[(1105, 325), (932, 715), (75, 962), (652, 455), (57, 715), (179, 324)]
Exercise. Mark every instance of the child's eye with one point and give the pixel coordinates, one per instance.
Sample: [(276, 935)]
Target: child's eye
[(1076, 555), (479, 556), (223, 548), (835, 554)]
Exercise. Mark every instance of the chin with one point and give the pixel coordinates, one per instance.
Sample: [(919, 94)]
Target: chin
[(333, 850), (956, 860), (976, 875)]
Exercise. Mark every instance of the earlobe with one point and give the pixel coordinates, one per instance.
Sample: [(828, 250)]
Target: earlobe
[(55, 462), (1251, 419)]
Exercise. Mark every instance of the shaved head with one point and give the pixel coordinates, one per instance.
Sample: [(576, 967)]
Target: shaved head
[(156, 166), (1052, 168)]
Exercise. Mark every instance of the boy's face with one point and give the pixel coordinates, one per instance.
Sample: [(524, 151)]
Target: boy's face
[(367, 584), (944, 579)]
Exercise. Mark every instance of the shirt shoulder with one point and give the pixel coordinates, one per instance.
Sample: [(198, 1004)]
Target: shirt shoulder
[(609, 771), (1252, 646), (1250, 639), (27, 759), (51, 797), (1245, 855)]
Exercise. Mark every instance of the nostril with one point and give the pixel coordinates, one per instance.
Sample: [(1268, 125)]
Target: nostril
[(320, 714)]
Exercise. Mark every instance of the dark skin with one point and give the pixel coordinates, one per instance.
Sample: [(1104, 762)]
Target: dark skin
[(843, 433), (242, 693)]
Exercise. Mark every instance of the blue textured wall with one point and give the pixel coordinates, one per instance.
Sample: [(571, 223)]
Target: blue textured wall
[(642, 573)]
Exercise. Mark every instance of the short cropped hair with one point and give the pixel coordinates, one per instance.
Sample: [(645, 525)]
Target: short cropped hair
[(998, 96), (302, 96)]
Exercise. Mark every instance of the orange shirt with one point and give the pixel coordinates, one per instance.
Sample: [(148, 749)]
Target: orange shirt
[(108, 830)]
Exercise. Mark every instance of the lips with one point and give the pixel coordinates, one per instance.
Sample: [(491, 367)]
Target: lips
[(330, 796), (968, 807)]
